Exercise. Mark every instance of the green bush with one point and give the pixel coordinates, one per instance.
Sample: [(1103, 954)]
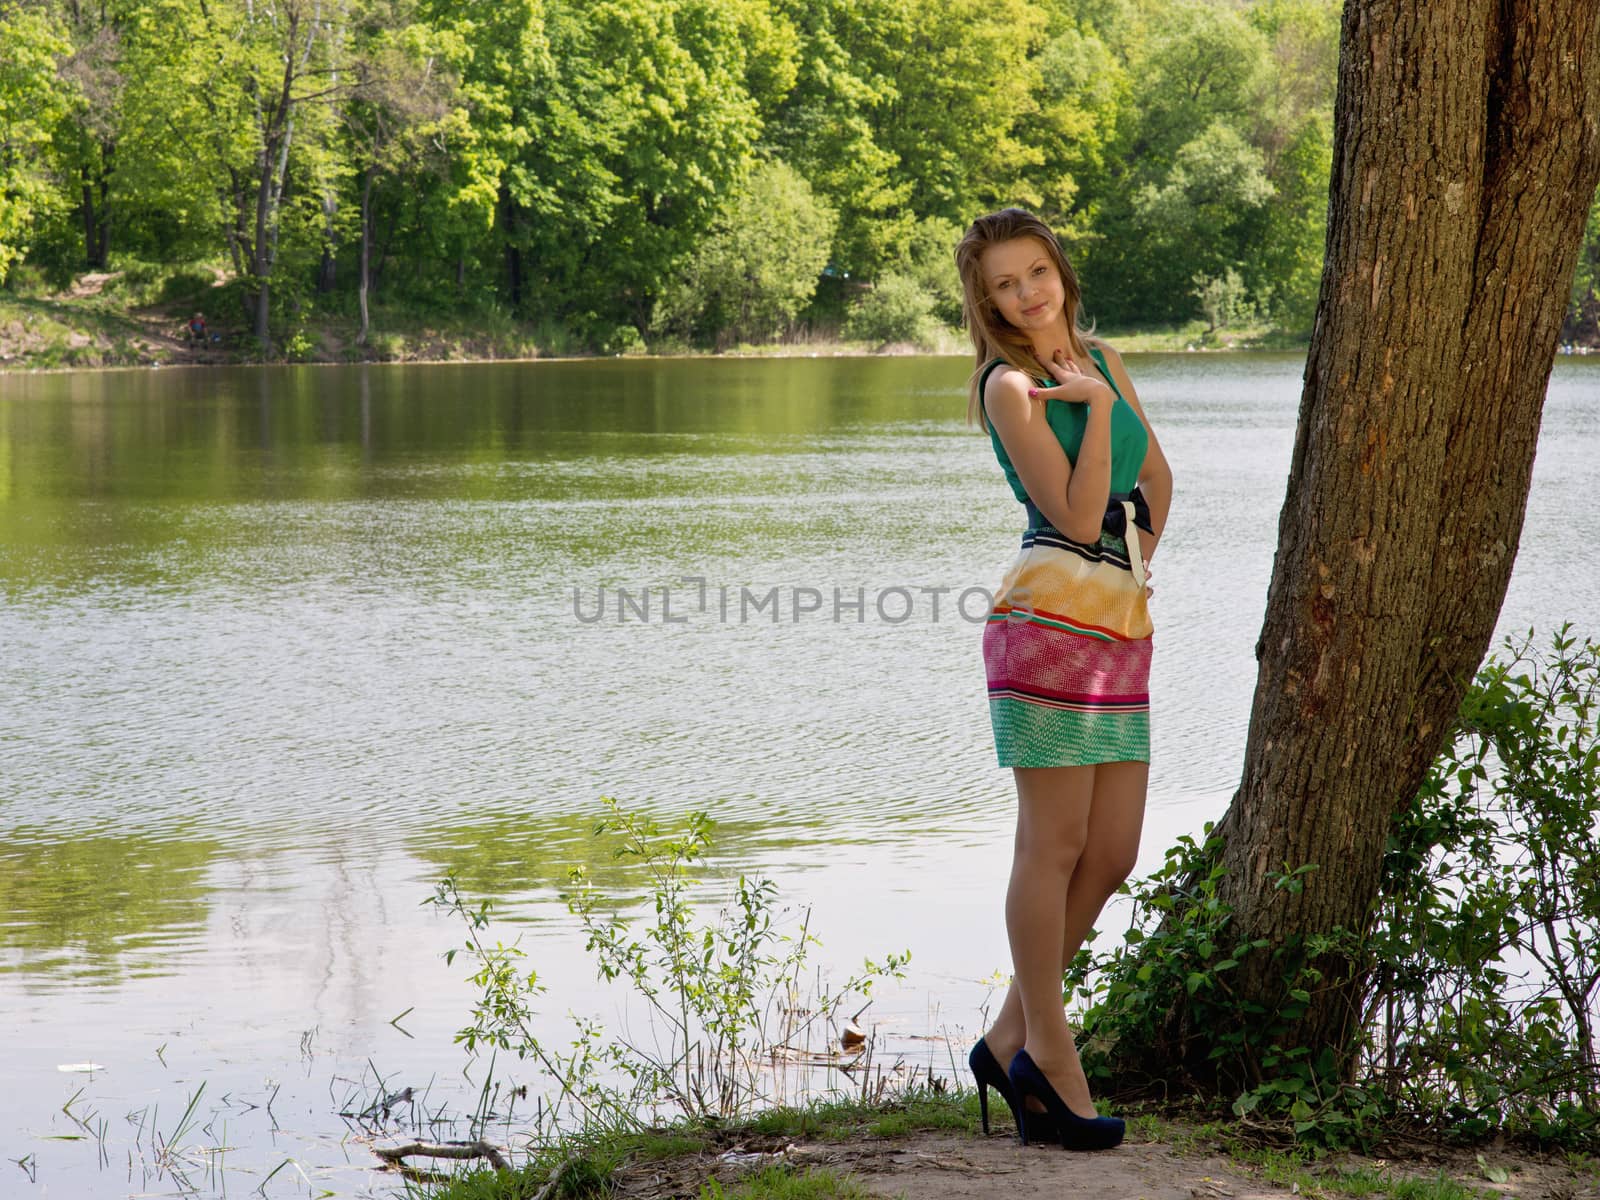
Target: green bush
[(1179, 955), (750, 278), (1485, 958), (624, 339), (720, 992), (1223, 300), (387, 347), (897, 309), (929, 260)]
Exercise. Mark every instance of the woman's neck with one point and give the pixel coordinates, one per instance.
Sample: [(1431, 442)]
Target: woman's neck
[(1047, 341)]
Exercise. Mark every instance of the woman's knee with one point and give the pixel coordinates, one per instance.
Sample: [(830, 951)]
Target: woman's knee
[(1057, 851), (1107, 870)]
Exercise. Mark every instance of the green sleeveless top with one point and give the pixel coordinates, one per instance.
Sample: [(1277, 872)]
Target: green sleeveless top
[(1067, 421)]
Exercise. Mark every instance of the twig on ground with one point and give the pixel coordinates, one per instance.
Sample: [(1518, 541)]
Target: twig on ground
[(478, 1149)]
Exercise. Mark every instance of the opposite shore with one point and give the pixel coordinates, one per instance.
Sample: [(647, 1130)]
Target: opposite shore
[(91, 325)]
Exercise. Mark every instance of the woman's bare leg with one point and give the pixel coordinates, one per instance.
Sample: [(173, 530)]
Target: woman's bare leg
[(1110, 847), (1053, 805)]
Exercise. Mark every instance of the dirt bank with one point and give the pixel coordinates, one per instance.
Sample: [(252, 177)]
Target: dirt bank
[(1157, 1162)]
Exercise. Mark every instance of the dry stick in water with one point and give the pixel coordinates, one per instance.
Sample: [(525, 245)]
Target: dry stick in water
[(479, 1149)]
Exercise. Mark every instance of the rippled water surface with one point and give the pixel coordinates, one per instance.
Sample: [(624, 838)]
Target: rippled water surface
[(280, 647)]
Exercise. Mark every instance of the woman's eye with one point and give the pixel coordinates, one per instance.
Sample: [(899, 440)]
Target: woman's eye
[(1039, 271)]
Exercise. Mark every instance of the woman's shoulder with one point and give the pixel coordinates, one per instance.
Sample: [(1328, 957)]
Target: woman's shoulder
[(997, 370), (1004, 382)]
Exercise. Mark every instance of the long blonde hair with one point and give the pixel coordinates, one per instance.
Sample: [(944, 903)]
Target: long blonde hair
[(992, 335)]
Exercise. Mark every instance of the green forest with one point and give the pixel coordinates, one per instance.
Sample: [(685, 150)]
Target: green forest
[(619, 176)]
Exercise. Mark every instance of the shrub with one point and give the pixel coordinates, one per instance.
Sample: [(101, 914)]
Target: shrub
[(726, 991), (1223, 300), (759, 266), (897, 309), (1485, 959), (624, 339)]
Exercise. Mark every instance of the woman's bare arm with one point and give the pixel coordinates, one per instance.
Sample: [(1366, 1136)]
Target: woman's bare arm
[(1073, 499), (1155, 477)]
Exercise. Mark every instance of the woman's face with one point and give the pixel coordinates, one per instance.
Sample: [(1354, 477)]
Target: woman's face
[(1023, 283)]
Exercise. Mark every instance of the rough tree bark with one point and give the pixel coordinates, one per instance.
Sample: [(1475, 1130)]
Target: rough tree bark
[(1466, 153)]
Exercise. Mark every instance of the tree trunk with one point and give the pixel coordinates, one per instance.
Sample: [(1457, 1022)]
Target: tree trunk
[(96, 217), (366, 251), (511, 231), (1466, 153), (276, 124), (274, 162), (327, 269)]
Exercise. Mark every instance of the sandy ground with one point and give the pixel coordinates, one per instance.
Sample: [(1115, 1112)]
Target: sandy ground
[(948, 1166)]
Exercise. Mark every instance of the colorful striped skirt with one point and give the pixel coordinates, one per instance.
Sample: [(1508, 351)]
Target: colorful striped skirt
[(1067, 650)]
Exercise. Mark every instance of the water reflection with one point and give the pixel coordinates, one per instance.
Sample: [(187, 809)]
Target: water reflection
[(515, 856), (98, 905)]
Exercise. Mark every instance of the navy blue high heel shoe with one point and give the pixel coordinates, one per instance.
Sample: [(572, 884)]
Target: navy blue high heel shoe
[(1074, 1132), (986, 1069)]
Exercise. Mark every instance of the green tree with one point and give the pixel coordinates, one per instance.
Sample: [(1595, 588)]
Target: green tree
[(218, 96), (1287, 261), (1203, 218), (84, 144), (903, 110), (481, 207), (1294, 130), (634, 141), (1583, 309), (401, 118), (32, 99), (826, 127), (965, 79), (1083, 88), (1198, 74), (175, 133), (749, 279)]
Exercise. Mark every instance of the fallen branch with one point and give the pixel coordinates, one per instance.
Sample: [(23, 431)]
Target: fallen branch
[(550, 1184), (480, 1149)]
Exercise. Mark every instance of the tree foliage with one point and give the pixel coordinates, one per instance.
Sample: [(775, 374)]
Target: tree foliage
[(574, 162), (756, 270), (33, 97)]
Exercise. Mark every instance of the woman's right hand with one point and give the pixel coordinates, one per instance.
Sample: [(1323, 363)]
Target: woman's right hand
[(1072, 385)]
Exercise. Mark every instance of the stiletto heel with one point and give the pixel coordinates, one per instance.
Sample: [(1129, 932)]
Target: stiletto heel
[(986, 1069), (1075, 1132)]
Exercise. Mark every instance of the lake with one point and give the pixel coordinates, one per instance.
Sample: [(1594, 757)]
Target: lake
[(282, 646)]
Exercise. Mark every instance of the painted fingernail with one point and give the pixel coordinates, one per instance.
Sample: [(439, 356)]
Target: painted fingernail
[(1033, 393)]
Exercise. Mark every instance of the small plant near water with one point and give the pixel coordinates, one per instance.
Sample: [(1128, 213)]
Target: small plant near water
[(1481, 964), (723, 993), (1485, 960)]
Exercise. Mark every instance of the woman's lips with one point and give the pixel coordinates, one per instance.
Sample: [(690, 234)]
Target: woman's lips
[(1037, 308)]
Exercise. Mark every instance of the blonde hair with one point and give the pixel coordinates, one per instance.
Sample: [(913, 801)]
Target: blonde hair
[(992, 335)]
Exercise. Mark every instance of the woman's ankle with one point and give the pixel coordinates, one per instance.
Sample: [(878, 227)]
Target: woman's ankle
[(1003, 1043)]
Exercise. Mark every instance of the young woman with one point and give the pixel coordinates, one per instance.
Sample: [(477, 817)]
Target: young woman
[(1066, 648)]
